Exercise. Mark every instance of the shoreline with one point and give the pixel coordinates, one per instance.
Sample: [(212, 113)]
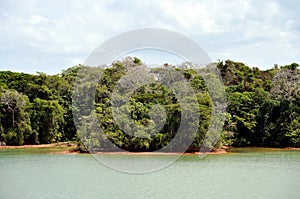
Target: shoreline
[(71, 149), (53, 145)]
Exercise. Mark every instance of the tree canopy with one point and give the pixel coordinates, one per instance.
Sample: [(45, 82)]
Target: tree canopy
[(263, 107)]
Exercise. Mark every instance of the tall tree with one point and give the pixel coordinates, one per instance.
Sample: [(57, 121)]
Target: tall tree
[(15, 121), (46, 118)]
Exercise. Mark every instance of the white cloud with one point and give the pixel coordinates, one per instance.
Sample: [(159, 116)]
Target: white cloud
[(52, 35), (37, 19)]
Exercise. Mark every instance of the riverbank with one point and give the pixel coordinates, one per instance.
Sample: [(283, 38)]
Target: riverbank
[(71, 148), (55, 148), (60, 144)]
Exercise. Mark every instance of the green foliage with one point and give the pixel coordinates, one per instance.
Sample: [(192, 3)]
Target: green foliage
[(263, 107), (36, 108), (14, 118), (46, 118)]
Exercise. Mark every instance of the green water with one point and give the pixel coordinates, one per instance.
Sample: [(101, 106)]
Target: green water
[(247, 174)]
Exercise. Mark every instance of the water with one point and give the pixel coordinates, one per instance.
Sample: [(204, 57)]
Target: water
[(247, 174)]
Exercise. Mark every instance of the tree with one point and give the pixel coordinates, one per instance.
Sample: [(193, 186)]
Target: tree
[(263, 106), (285, 85), (15, 121), (46, 118)]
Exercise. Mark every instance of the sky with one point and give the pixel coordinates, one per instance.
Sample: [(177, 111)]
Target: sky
[(50, 36)]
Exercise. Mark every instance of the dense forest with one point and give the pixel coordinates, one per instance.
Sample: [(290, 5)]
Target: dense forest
[(263, 108)]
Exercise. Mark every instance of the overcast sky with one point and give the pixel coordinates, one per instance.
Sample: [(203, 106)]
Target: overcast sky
[(50, 36)]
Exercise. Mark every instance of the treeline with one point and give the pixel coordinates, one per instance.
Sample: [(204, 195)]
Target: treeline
[(36, 109), (263, 107)]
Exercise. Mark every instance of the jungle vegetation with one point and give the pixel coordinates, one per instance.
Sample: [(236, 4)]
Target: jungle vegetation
[(263, 107)]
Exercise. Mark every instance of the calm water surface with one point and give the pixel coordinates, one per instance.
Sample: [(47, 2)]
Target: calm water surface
[(247, 174)]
